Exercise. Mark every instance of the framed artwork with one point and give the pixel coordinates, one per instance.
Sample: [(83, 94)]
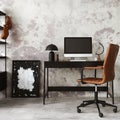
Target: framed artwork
[(25, 78)]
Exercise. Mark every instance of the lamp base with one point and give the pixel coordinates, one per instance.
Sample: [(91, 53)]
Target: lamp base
[(51, 56), (98, 58)]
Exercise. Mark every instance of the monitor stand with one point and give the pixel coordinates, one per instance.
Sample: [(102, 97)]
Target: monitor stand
[(78, 59)]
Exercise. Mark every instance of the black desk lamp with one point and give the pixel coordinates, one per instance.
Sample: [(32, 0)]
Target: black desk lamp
[(51, 48)]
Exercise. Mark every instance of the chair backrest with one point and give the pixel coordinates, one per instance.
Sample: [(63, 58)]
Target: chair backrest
[(109, 63)]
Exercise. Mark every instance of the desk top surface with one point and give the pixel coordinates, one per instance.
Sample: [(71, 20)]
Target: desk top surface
[(71, 64)]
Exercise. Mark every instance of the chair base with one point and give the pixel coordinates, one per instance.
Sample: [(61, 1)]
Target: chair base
[(97, 102)]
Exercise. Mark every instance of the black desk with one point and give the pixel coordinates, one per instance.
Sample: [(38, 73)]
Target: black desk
[(67, 64)]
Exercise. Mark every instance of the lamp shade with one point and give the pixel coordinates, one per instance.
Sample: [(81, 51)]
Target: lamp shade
[(100, 49), (51, 47)]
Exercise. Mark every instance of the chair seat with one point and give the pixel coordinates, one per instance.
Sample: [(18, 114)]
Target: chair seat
[(90, 80)]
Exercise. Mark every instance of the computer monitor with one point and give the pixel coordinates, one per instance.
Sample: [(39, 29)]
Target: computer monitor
[(78, 47)]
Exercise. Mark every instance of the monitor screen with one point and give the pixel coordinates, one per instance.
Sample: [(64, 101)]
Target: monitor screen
[(78, 46)]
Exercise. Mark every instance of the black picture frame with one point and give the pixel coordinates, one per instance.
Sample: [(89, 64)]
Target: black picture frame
[(34, 67)]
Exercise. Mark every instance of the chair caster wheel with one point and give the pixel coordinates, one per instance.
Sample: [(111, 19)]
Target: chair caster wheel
[(78, 110), (100, 114), (115, 110), (103, 105), (82, 105)]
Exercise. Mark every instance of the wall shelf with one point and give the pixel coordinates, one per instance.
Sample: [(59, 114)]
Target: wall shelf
[(3, 71), (1, 28), (3, 42), (3, 82), (2, 13), (3, 57)]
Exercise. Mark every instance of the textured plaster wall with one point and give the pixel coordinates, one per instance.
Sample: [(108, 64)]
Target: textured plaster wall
[(37, 23)]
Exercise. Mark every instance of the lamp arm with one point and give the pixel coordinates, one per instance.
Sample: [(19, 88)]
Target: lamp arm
[(102, 48)]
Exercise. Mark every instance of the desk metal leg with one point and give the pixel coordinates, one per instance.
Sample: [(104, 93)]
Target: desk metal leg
[(81, 72), (44, 87), (107, 90), (95, 73), (47, 81), (112, 92)]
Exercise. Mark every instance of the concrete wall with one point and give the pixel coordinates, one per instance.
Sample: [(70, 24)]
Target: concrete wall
[(37, 23)]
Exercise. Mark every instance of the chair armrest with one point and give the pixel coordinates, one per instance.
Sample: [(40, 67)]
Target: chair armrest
[(80, 81), (88, 68), (93, 68)]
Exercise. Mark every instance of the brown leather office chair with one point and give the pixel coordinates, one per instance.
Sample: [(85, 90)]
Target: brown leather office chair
[(109, 93), (107, 76)]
